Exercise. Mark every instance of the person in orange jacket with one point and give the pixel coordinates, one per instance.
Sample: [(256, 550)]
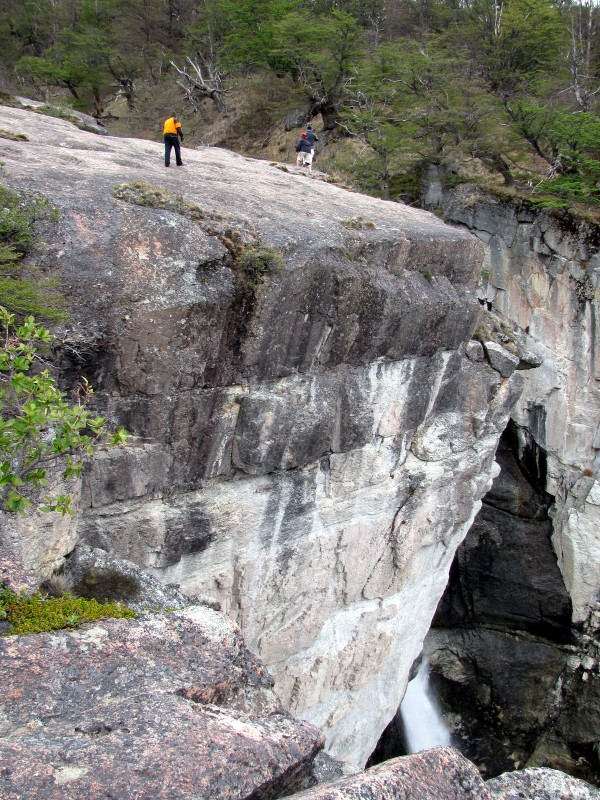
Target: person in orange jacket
[(171, 134)]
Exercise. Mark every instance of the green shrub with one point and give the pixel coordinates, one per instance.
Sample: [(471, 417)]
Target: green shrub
[(258, 260), (38, 613), (22, 290)]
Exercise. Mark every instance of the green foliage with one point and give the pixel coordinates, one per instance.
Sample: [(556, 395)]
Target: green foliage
[(38, 427), (106, 584), (25, 294), (512, 43), (248, 31), (259, 260), (323, 53), (568, 143), (39, 614)]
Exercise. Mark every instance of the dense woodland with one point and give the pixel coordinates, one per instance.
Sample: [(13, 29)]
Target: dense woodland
[(507, 89)]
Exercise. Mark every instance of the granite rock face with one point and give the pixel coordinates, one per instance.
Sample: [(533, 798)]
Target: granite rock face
[(309, 448), (167, 706)]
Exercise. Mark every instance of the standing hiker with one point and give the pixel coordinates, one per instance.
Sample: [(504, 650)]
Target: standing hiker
[(304, 152), (171, 134), (312, 137)]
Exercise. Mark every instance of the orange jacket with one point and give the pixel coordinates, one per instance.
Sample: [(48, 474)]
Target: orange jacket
[(172, 125)]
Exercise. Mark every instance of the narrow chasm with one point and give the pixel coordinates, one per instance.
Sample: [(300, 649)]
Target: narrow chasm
[(501, 642)]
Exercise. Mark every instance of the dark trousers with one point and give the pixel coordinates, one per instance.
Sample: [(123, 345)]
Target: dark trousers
[(171, 140)]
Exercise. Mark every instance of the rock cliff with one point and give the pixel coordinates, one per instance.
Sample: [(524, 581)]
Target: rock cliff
[(308, 448), (542, 272), (516, 638)]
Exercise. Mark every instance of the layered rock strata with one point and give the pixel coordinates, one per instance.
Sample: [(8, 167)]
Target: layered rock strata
[(542, 272), (308, 448)]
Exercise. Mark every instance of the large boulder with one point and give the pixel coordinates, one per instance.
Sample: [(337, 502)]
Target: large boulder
[(540, 784), (437, 774), (166, 706)]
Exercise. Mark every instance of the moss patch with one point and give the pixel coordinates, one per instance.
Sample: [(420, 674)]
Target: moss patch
[(39, 614)]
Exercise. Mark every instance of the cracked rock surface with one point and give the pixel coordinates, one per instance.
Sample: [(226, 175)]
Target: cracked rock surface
[(165, 706)]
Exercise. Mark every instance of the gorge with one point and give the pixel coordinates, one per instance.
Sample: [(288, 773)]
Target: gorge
[(310, 446)]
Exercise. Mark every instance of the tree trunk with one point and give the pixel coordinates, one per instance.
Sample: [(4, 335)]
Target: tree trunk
[(98, 107)]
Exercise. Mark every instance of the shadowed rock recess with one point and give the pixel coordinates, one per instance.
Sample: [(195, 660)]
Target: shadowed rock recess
[(308, 448)]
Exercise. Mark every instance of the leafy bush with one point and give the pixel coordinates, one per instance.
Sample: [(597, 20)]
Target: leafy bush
[(38, 426), (38, 613), (25, 294)]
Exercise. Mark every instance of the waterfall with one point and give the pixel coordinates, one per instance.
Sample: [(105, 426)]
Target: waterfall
[(423, 725)]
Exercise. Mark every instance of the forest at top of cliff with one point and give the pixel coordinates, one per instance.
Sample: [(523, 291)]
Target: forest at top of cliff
[(503, 91)]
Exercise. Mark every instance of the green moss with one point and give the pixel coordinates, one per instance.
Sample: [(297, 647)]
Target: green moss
[(108, 584), (38, 613), (55, 111), (141, 193), (61, 113), (427, 274)]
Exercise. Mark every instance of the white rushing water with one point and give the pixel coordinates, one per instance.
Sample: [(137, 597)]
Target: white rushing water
[(423, 725)]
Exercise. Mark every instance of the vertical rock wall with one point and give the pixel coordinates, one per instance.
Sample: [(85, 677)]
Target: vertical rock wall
[(542, 272), (515, 643)]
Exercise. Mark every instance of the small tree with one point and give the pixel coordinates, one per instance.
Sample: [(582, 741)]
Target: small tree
[(38, 427)]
